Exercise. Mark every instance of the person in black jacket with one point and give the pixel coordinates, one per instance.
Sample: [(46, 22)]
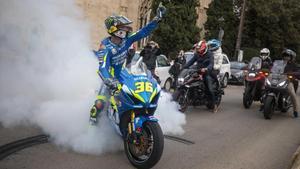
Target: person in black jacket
[(130, 54), (266, 59), (174, 70), (149, 54), (291, 69), (205, 60)]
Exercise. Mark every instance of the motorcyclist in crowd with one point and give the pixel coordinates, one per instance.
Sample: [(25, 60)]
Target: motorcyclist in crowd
[(205, 62), (266, 59), (174, 70), (180, 58), (266, 65), (215, 47), (289, 57), (149, 54), (113, 53)]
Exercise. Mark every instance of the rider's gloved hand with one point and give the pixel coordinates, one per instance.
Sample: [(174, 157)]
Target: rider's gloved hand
[(160, 12), (112, 85)]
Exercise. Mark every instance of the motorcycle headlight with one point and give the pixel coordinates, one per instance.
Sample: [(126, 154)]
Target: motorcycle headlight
[(180, 80), (281, 84), (251, 74)]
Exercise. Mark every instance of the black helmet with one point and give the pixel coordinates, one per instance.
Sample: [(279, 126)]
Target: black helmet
[(117, 22), (288, 53)]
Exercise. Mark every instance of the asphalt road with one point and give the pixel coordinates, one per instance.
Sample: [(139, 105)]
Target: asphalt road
[(233, 138)]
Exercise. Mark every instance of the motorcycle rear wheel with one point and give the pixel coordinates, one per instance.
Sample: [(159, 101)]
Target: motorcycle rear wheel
[(150, 148)]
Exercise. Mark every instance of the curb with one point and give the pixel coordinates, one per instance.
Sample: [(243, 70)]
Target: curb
[(295, 163)]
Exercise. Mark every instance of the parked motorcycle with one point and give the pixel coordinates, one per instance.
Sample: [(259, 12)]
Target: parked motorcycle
[(191, 90), (254, 82), (131, 113), (276, 96)]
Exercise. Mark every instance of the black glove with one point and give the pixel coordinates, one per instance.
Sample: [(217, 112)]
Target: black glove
[(112, 85), (160, 12)]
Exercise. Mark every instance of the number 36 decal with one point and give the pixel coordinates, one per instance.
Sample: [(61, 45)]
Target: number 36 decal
[(143, 86)]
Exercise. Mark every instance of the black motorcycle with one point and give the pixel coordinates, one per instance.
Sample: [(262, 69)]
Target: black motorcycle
[(191, 90), (254, 82), (277, 96)]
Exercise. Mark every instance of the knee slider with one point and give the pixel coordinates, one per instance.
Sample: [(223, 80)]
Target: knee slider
[(99, 104)]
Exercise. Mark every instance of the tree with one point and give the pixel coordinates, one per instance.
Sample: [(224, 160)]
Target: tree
[(273, 24), (230, 11), (178, 29)]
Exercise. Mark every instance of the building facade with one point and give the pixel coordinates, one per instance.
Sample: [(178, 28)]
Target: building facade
[(96, 11)]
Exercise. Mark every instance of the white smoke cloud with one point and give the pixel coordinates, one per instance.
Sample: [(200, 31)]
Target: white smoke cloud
[(170, 119), (48, 76)]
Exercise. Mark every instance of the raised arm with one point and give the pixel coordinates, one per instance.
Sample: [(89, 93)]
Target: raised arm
[(144, 32), (191, 62)]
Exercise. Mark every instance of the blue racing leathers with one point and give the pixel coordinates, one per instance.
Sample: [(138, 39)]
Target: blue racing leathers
[(112, 56), (112, 59)]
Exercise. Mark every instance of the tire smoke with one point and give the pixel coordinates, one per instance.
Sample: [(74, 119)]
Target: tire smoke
[(48, 76)]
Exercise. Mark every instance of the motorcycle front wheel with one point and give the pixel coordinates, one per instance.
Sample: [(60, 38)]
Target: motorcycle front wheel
[(146, 151), (269, 107), (247, 100), (182, 101)]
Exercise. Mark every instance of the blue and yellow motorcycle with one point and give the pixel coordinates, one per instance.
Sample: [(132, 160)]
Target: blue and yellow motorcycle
[(131, 112)]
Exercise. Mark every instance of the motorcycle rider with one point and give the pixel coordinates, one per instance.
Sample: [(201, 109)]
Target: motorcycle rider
[(215, 47), (113, 53), (205, 62), (289, 57), (266, 64), (266, 59)]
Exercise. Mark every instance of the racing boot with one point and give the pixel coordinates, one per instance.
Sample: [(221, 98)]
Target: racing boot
[(96, 111)]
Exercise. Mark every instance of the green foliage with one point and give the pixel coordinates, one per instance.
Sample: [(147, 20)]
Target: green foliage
[(273, 24), (178, 28), (250, 52), (225, 9)]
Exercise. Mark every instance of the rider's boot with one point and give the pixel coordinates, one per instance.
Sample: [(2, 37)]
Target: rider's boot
[(96, 111), (295, 114), (216, 108)]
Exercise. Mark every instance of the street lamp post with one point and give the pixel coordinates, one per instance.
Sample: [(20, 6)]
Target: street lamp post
[(221, 31), (239, 37)]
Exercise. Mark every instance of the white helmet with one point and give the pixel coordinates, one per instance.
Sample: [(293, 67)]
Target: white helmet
[(264, 53)]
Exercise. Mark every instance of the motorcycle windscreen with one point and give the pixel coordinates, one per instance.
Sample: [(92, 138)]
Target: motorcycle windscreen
[(186, 72), (139, 83), (278, 67), (277, 73), (255, 63)]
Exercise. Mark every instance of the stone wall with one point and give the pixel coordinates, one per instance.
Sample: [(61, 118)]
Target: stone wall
[(97, 10)]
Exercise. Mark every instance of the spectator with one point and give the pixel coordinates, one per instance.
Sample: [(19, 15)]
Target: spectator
[(149, 54)]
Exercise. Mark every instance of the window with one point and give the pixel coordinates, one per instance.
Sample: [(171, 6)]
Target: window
[(162, 61), (225, 61)]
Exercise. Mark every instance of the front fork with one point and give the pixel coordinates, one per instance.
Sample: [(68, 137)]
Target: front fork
[(131, 125), (132, 128)]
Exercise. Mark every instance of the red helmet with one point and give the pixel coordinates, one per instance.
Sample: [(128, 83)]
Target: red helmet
[(201, 47)]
